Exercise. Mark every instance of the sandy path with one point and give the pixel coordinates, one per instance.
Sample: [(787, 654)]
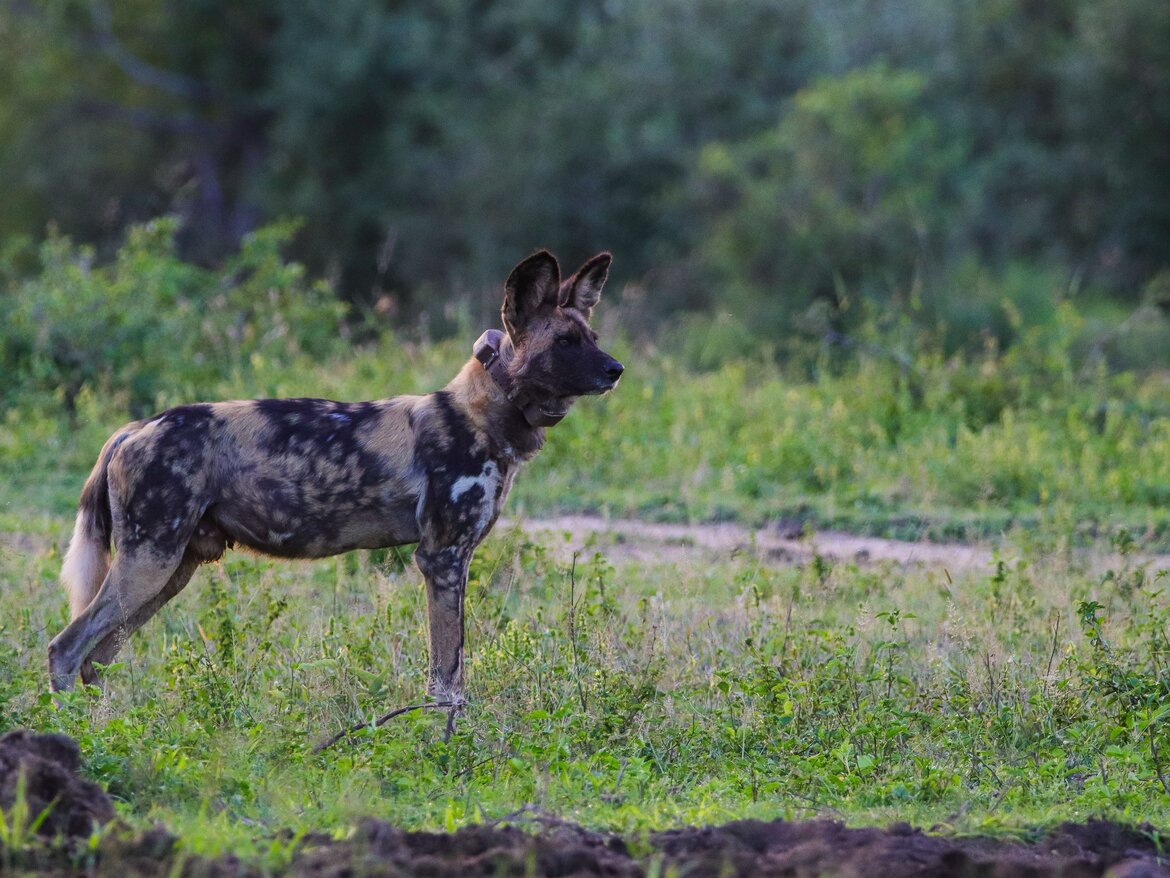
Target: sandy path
[(648, 541)]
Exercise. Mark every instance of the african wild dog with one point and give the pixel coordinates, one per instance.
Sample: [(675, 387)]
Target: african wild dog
[(307, 478)]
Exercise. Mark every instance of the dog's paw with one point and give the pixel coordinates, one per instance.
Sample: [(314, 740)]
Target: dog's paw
[(447, 693)]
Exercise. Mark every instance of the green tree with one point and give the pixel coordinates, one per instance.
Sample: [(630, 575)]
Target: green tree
[(1119, 100), (848, 197), (427, 145), (420, 142)]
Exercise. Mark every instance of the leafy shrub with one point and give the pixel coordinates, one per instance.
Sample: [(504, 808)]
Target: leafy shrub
[(149, 322), (846, 196)]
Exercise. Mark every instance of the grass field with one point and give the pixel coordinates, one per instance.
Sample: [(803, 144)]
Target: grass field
[(633, 691)]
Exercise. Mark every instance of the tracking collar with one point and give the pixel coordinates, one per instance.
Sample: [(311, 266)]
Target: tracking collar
[(487, 351)]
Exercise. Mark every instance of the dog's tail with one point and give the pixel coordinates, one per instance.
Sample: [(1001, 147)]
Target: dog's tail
[(88, 559)]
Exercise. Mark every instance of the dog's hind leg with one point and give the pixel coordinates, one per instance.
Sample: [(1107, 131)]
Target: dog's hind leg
[(108, 647), (129, 594)]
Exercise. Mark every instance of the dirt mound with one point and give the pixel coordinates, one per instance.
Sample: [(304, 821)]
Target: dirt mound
[(735, 850), (745, 848), (825, 847), (562, 850), (45, 767)]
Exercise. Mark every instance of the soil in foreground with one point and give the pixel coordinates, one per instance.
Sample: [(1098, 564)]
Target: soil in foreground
[(44, 770)]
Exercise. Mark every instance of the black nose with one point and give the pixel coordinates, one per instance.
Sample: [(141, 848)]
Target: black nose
[(614, 370)]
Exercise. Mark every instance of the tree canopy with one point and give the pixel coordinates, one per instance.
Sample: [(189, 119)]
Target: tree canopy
[(762, 157)]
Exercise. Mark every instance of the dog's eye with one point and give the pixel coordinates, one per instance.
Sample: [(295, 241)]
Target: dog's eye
[(565, 340)]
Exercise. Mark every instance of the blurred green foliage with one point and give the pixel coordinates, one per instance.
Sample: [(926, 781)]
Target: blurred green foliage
[(148, 324), (776, 162), (839, 200)]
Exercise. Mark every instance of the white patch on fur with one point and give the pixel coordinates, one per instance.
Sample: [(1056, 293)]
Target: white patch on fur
[(85, 567), (486, 481)]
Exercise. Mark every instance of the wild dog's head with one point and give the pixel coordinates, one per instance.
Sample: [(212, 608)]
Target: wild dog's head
[(555, 354)]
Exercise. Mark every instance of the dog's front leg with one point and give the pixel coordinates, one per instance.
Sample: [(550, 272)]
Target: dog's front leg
[(445, 570)]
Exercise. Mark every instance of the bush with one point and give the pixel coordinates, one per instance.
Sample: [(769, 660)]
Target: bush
[(148, 322), (846, 198)]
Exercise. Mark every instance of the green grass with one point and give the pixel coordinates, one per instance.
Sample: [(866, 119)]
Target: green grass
[(942, 450), (644, 694), (633, 697)]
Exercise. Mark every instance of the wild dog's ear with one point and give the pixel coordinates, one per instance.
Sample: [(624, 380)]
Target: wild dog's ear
[(583, 290), (531, 287)]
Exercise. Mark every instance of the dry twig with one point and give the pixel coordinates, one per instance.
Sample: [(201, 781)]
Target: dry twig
[(430, 705)]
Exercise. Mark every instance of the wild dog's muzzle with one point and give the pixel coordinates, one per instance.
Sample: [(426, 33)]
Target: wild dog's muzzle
[(613, 371)]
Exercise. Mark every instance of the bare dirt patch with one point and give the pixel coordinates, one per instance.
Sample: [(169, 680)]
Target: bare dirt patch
[(780, 544), (735, 850), (745, 848), (24, 543), (49, 764), (628, 539)]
